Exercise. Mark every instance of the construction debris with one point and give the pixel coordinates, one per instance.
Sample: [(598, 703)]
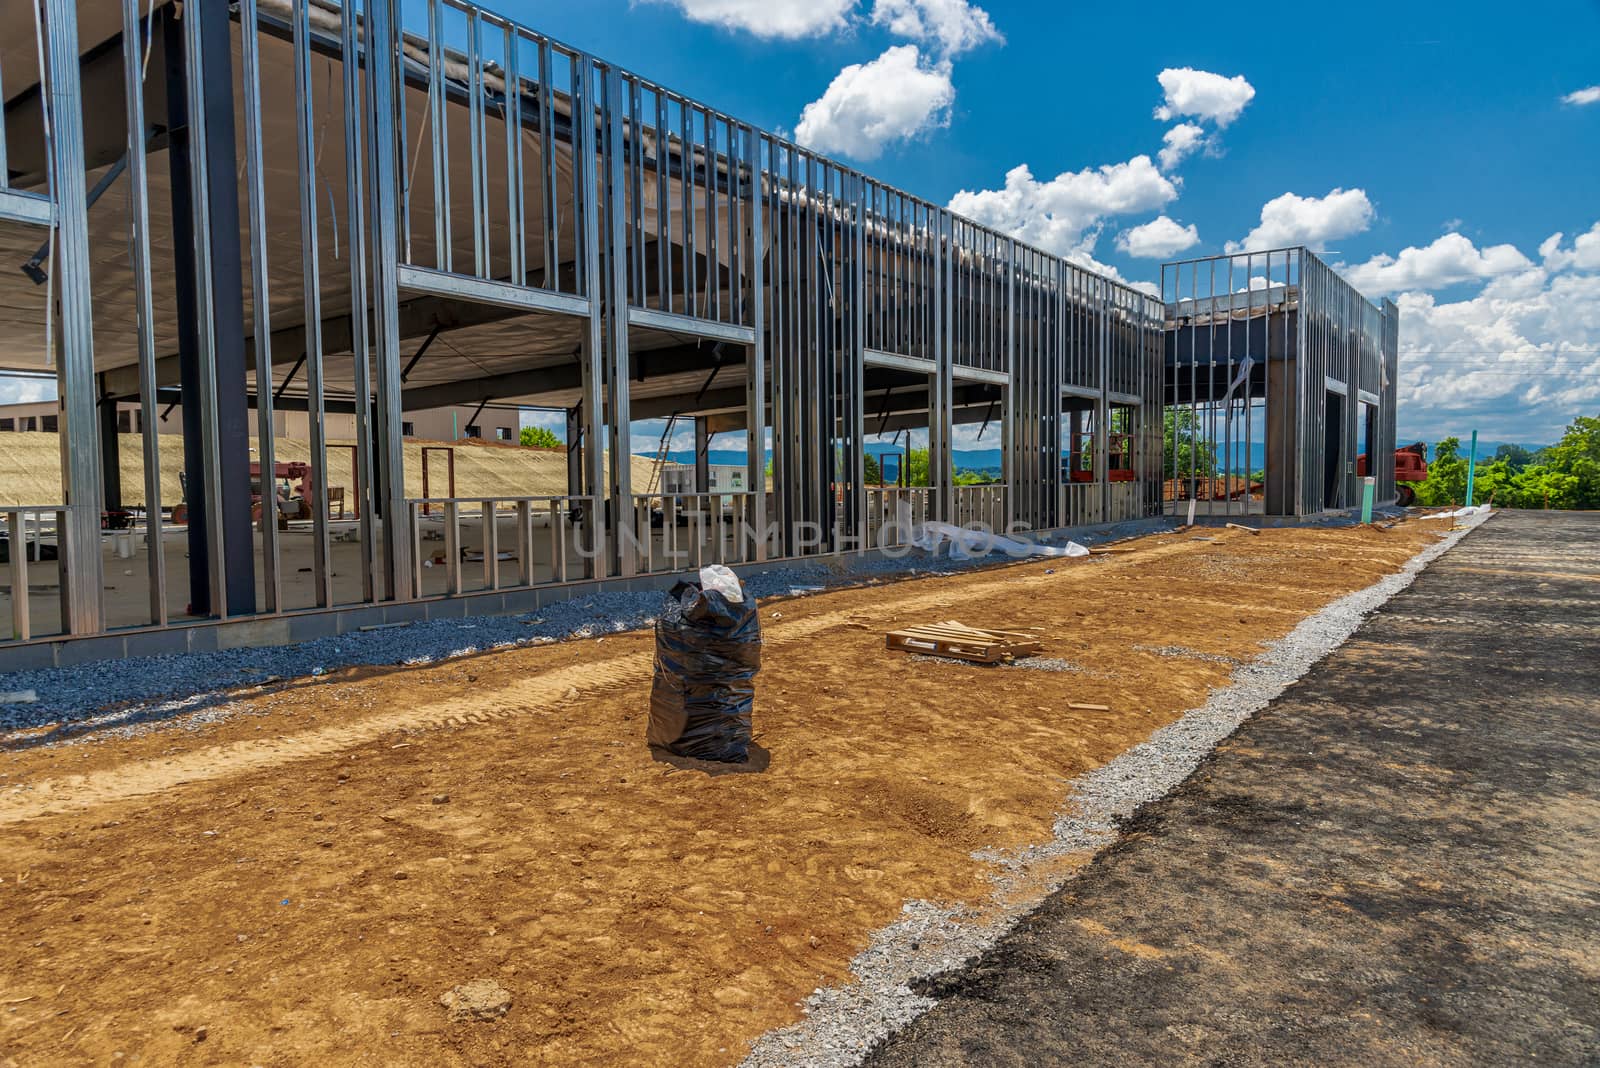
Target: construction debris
[(1241, 526), (961, 642), (962, 543)]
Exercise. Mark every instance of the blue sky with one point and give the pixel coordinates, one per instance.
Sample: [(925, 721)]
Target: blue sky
[(1435, 151), (1456, 132)]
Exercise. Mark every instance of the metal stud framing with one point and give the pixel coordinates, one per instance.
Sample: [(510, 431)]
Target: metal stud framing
[(490, 162), (1271, 361)]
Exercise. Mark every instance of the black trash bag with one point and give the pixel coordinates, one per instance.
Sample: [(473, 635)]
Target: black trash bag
[(708, 650)]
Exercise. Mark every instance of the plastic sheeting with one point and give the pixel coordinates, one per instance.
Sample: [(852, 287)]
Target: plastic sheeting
[(967, 544), (1461, 513), (708, 650)]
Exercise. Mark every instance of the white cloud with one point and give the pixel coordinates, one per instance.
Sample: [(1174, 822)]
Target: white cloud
[(1584, 254), (1449, 260), (1056, 215), (1158, 239), (25, 389), (892, 98), (769, 18), (1578, 98), (1179, 143), (1203, 95), (1291, 220), (955, 26), (1516, 362)]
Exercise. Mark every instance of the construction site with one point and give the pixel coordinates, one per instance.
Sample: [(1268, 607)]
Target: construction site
[(337, 724)]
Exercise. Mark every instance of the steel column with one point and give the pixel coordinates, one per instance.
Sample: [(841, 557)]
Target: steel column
[(388, 458), (81, 560)]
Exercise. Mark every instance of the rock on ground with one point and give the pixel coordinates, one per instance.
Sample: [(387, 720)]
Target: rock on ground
[(476, 999)]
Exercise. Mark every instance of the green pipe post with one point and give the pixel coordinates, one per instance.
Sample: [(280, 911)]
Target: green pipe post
[(1472, 466), (1368, 488)]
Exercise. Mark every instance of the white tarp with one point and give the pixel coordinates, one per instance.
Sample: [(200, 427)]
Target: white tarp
[(968, 544), (1459, 513)]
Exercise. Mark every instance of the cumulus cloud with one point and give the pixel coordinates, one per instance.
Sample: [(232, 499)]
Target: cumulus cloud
[(1515, 362), (1179, 143), (1203, 95), (25, 389), (1056, 215), (1449, 260), (1584, 254), (1158, 239), (953, 26), (892, 98), (769, 18), (1313, 221), (1580, 97)]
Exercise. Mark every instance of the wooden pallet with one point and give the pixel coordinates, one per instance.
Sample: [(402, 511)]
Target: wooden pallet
[(961, 642)]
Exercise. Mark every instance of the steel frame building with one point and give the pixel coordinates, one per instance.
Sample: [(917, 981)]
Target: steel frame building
[(246, 220), (1274, 348)]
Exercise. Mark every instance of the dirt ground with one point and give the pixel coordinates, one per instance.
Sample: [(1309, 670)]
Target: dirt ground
[(303, 881)]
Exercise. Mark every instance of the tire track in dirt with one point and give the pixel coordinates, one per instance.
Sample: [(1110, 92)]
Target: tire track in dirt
[(541, 694)]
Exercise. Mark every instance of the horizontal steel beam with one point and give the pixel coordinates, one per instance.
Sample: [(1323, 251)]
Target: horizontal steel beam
[(25, 208), (418, 317), (488, 291), (914, 364), (978, 374), (688, 324)]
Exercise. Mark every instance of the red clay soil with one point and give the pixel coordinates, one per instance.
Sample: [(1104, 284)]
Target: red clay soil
[(303, 881)]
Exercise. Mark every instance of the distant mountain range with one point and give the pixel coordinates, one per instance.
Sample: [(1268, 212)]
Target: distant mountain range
[(989, 459)]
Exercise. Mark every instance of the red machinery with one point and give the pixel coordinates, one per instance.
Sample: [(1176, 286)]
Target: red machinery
[(1119, 455), (294, 487), (1410, 465), (293, 492)]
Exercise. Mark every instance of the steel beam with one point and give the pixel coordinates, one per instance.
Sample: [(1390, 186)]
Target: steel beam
[(389, 475), (615, 310), (209, 36), (80, 461)]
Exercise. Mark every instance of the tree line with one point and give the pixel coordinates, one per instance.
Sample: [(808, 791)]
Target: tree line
[(1563, 475)]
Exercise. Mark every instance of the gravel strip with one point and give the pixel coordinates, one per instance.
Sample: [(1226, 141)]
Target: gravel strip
[(135, 695), (1183, 652), (844, 1023), (1043, 663)]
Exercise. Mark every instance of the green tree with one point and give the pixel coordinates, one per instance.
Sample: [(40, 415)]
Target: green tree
[(539, 437), (1576, 458), (1515, 456), (1565, 475), (1182, 441), (1447, 475)]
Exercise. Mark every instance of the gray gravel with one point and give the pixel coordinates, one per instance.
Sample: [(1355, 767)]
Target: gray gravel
[(130, 696), (1043, 663), (843, 1023), (1183, 652)]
